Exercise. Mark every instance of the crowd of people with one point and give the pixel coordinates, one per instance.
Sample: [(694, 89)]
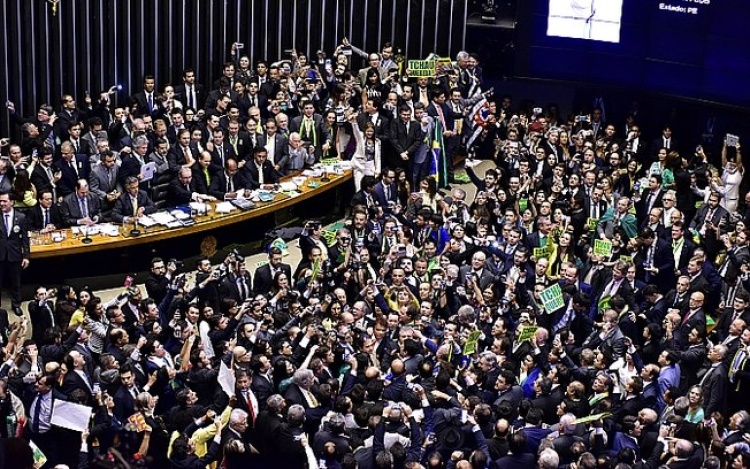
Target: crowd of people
[(422, 335)]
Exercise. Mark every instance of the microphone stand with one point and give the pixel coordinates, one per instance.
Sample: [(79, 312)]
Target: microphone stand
[(86, 239), (135, 232)]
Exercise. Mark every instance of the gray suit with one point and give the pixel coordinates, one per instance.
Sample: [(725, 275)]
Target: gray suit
[(100, 184), (71, 211)]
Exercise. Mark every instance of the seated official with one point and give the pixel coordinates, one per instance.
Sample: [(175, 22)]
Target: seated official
[(260, 172), (81, 207), (46, 215), (204, 172), (227, 184), (299, 156), (133, 204), (182, 190)]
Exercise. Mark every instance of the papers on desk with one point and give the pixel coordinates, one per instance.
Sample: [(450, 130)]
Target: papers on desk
[(224, 207), (104, 229), (162, 218), (312, 173), (148, 170), (108, 229), (179, 214), (289, 186), (147, 221), (199, 207)]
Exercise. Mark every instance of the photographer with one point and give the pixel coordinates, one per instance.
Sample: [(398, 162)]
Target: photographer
[(160, 276)]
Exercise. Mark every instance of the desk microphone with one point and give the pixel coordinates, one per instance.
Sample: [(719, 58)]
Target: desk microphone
[(86, 238), (135, 232)]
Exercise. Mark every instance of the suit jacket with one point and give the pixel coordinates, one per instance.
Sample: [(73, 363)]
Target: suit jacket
[(100, 183), (221, 153), (263, 388), (252, 176), (689, 321), (319, 131), (720, 213), (73, 381), (35, 217), (642, 205), (202, 184), (70, 176), (280, 145), (140, 101), (381, 123), (176, 157), (404, 141), (71, 211), (484, 281), (715, 385), (220, 183), (124, 206), (264, 280), (293, 395), (41, 181), (178, 194), (379, 194), (243, 146), (199, 92)]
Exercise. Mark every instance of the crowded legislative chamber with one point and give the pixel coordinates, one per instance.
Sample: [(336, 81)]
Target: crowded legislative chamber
[(359, 234)]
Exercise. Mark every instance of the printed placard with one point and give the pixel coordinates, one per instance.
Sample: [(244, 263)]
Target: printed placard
[(552, 298)]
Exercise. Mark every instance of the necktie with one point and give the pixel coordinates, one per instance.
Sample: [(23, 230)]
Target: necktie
[(387, 193), (230, 184), (37, 411), (250, 408), (649, 199), (84, 208), (221, 158), (46, 217), (134, 203), (407, 128), (7, 224), (190, 100), (208, 177), (150, 103), (73, 167), (109, 178), (186, 152)]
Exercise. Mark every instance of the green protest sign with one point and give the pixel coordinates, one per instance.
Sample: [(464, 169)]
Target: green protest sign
[(593, 418), (470, 347), (421, 68), (628, 259), (602, 247), (527, 333), (552, 298), (591, 223), (541, 252), (329, 236)]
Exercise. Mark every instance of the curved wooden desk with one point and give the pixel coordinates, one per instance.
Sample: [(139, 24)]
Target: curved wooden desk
[(72, 245)]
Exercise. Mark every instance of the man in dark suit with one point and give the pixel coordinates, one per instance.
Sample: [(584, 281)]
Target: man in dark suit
[(15, 251), (406, 136), (715, 382), (259, 173), (261, 383), (190, 93), (240, 141), (386, 192), (694, 318), (46, 214), (104, 181), (145, 101), (650, 197), (221, 148), (45, 175), (41, 314), (72, 167), (133, 162), (183, 153), (227, 184), (442, 113), (133, 204), (477, 270), (81, 207), (205, 170), (682, 247), (77, 378), (276, 145), (709, 216), (183, 190), (656, 259), (311, 129), (265, 274)]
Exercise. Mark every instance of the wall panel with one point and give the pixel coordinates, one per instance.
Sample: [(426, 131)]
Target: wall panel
[(91, 45)]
